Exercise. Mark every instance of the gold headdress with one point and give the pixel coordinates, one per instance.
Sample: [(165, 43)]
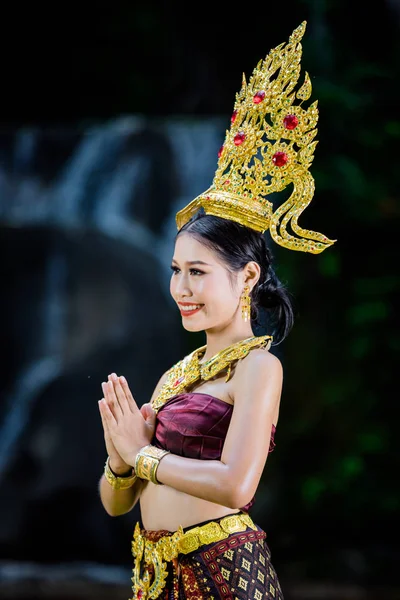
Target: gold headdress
[(270, 144)]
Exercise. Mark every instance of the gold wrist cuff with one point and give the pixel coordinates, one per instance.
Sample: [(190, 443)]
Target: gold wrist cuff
[(118, 483), (147, 461)]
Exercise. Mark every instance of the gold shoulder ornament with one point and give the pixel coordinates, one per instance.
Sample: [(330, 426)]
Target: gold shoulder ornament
[(190, 370), (269, 145)]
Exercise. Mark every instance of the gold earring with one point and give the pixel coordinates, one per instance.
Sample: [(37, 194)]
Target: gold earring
[(246, 303)]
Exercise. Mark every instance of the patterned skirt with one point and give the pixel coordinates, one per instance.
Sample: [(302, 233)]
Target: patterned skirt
[(237, 567)]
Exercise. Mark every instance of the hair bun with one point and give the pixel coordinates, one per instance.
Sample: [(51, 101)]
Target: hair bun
[(269, 292)]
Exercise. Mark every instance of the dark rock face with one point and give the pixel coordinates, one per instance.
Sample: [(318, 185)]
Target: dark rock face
[(116, 318), (86, 238)]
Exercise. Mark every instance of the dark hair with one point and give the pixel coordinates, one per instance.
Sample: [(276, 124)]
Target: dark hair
[(236, 245)]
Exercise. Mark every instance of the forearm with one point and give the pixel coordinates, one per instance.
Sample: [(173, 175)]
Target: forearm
[(210, 480), (119, 502)]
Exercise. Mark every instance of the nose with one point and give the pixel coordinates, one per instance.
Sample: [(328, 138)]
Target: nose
[(181, 287)]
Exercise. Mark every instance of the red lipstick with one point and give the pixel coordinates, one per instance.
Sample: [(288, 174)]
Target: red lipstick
[(188, 313)]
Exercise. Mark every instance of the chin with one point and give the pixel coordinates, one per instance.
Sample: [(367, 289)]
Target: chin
[(192, 327)]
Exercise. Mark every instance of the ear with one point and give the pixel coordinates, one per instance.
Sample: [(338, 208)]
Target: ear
[(251, 273)]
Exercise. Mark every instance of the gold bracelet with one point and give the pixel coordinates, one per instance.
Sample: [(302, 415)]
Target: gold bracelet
[(147, 461), (118, 483)]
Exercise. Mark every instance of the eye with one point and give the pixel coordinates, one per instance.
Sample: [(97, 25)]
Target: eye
[(195, 272)]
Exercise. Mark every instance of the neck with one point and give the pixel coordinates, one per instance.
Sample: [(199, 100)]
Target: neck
[(217, 341)]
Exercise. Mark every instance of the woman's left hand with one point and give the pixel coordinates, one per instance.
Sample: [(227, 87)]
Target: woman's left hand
[(129, 430)]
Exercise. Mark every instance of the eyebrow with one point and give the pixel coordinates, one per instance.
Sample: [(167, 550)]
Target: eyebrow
[(193, 262)]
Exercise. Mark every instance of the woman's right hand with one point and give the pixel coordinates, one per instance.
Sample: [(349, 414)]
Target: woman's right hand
[(116, 463)]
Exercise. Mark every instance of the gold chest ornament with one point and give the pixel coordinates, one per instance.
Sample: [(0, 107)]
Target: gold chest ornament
[(189, 370)]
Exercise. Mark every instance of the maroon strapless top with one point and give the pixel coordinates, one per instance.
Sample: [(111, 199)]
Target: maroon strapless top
[(195, 425)]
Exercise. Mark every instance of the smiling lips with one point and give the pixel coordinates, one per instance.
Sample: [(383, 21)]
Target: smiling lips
[(190, 309)]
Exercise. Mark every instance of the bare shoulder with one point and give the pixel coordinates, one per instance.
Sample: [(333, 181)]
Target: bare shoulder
[(260, 362), (257, 374)]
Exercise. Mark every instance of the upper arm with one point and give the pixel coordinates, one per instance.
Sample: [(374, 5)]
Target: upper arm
[(257, 393)]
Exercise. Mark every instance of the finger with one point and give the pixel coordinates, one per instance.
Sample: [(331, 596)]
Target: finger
[(107, 414), (120, 393), (151, 417), (131, 401), (111, 399), (102, 416), (147, 411), (144, 409)]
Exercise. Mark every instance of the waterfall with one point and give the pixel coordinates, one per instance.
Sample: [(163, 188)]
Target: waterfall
[(113, 178)]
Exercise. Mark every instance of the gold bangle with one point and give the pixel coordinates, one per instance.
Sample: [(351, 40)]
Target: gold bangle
[(147, 461), (118, 483)]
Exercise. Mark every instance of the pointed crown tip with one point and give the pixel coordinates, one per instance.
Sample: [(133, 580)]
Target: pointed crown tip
[(270, 144)]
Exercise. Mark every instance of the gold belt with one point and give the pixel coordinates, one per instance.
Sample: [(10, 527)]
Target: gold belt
[(168, 547)]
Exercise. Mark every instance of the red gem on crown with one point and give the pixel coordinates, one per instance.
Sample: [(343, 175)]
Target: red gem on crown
[(233, 117), (280, 159), (239, 138), (220, 151), (290, 122), (139, 594), (259, 97)]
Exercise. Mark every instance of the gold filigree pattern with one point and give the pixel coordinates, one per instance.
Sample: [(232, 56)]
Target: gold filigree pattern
[(116, 482), (147, 461), (269, 145), (189, 371), (153, 555)]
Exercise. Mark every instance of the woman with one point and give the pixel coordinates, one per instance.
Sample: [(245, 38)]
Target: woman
[(194, 455)]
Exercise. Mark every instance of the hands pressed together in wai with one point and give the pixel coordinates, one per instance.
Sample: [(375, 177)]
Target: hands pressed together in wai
[(126, 427)]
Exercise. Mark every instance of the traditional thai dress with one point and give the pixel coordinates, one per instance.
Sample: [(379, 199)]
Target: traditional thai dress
[(224, 558)]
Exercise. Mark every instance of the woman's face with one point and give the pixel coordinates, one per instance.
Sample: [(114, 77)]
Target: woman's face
[(201, 287)]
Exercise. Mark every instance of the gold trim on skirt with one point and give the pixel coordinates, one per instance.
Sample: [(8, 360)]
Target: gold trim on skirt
[(150, 557)]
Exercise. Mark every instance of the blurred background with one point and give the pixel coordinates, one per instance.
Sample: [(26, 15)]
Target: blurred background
[(111, 119)]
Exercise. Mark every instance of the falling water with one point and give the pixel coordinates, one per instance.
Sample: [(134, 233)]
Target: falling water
[(90, 179)]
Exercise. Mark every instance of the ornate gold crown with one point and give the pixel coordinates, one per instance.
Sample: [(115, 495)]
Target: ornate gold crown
[(270, 144)]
